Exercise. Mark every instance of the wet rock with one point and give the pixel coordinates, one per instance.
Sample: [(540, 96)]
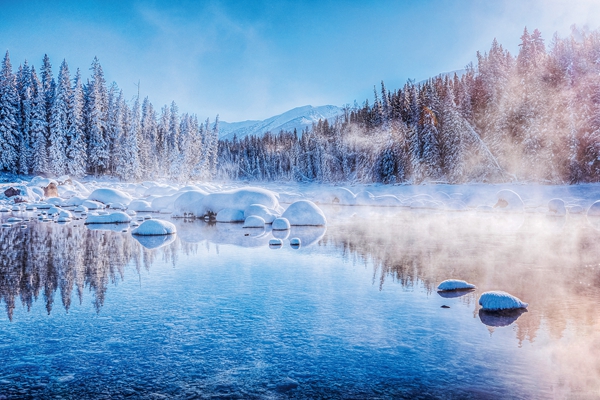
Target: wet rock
[(11, 192)]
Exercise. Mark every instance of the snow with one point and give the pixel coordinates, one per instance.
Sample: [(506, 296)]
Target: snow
[(281, 224), (4, 210), (92, 205), (254, 221), (295, 241), (140, 206), (275, 242), (594, 210), (230, 215), (80, 209), (106, 196), (261, 211), (154, 227), (509, 201), (238, 199), (499, 300), (14, 219), (304, 212), (117, 217), (117, 206), (74, 201), (181, 206), (341, 195), (556, 207), (165, 202), (455, 284)]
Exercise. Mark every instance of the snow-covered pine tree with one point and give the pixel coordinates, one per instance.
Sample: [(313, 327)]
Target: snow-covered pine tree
[(76, 147), (25, 96), (148, 140), (9, 118), (96, 107), (39, 150), (59, 122)]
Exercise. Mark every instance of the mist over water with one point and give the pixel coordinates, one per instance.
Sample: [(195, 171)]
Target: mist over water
[(354, 314)]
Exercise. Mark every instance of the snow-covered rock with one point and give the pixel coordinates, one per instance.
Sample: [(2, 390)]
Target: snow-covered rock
[(575, 209), (65, 214), (117, 217), (454, 284), (499, 300), (165, 202), (275, 242), (56, 201), (14, 219), (80, 209), (160, 190), (507, 200), (117, 206), (259, 210), (281, 224), (339, 195), (106, 196), (92, 205), (4, 210), (594, 210), (295, 241), (230, 215), (254, 221), (140, 206), (238, 199), (304, 213), (556, 207), (63, 220), (74, 201), (181, 206), (53, 210), (154, 227)]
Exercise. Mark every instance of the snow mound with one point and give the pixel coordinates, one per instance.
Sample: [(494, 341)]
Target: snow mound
[(275, 242), (63, 219), (281, 224), (4, 210), (364, 199), (65, 214), (594, 210), (230, 215), (556, 207), (261, 211), (507, 200), (92, 205), (106, 196), (498, 300), (154, 227), (254, 221), (14, 219), (74, 201), (238, 199), (181, 206), (80, 209), (455, 284), (387, 200), (160, 190), (340, 195), (575, 209), (116, 206), (57, 201), (304, 213), (165, 202), (117, 217), (295, 242), (140, 206)]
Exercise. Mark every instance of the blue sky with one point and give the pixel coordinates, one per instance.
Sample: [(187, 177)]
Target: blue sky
[(255, 59)]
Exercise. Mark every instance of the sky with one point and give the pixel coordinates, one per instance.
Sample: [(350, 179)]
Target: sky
[(256, 59)]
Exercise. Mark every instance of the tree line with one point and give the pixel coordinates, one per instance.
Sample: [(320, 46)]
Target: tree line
[(68, 126), (534, 116)]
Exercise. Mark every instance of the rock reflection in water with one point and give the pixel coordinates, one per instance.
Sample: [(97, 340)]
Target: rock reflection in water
[(500, 318), (452, 294), (154, 242)]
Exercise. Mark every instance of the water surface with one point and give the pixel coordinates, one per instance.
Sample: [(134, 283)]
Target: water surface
[(353, 313)]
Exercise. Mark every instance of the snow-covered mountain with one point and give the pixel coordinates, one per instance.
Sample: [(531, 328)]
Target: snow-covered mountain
[(297, 118)]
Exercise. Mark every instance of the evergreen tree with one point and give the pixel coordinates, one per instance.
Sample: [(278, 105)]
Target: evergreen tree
[(9, 124), (61, 111), (39, 151), (96, 111), (76, 148)]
